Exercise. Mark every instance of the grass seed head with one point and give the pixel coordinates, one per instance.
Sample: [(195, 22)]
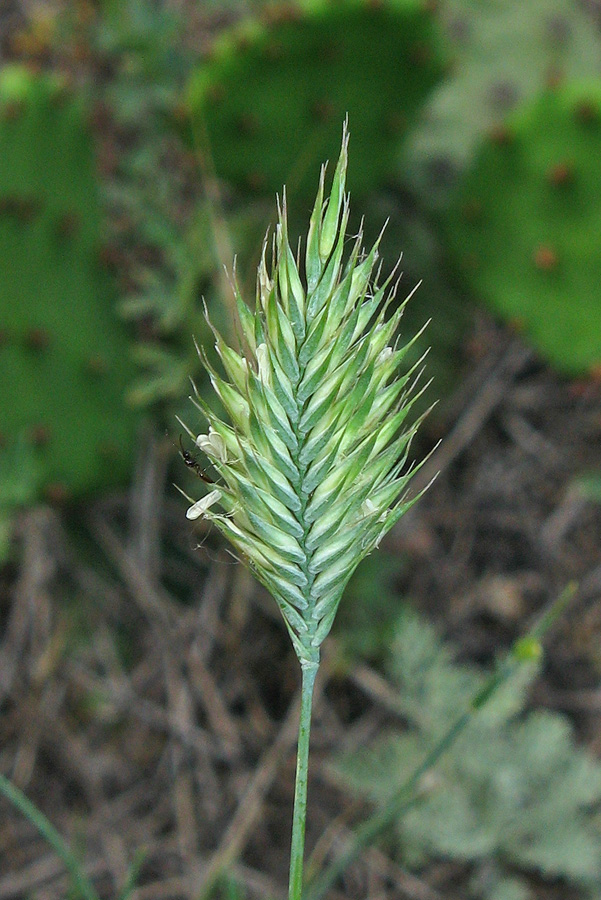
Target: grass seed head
[(311, 454)]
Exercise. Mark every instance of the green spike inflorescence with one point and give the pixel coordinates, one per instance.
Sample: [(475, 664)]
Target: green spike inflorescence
[(63, 354), (310, 463), (298, 70), (310, 459), (525, 223)]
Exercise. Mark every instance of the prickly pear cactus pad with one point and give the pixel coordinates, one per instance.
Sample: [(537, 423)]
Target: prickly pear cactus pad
[(63, 355), (504, 53), (285, 81), (525, 225)]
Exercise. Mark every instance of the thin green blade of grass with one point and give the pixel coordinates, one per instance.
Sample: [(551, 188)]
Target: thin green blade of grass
[(81, 884)]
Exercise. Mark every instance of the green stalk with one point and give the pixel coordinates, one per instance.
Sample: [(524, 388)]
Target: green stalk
[(299, 816), (82, 885)]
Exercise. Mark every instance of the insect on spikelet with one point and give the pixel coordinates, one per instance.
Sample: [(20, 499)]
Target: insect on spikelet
[(192, 463), (312, 460)]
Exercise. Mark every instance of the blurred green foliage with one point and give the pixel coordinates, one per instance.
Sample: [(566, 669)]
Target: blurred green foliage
[(588, 486), (504, 53), (366, 621), (64, 355), (513, 796), (524, 225), (268, 101)]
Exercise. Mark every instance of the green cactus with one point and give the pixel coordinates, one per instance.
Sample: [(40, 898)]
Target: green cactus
[(297, 71), (525, 223), (505, 52), (63, 355)]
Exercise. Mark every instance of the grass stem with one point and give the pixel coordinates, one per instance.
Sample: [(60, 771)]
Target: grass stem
[(297, 847)]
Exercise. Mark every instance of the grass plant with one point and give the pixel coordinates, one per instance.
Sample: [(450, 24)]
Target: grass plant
[(310, 460)]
